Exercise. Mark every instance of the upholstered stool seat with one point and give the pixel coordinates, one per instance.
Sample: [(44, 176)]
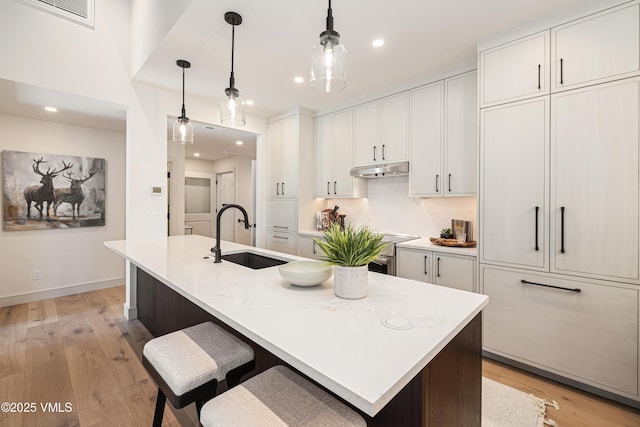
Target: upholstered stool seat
[(278, 397), (188, 364)]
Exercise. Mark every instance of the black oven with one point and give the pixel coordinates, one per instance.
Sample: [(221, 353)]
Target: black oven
[(383, 264)]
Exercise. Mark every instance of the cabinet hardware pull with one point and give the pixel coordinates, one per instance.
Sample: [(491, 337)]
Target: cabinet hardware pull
[(437, 179), (280, 226), (334, 187), (438, 272), (425, 265), (283, 188), (539, 66), (562, 229), (449, 183), (382, 151), (561, 71), (328, 192), (278, 188), (374, 153), (280, 237), (314, 247), (537, 209), (526, 282)]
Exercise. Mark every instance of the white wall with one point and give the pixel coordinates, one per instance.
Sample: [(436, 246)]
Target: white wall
[(389, 208), (70, 260)]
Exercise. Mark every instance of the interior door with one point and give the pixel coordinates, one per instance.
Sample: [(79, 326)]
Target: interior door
[(199, 202), (225, 194)]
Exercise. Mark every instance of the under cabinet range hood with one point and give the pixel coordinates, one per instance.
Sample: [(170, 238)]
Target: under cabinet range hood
[(381, 171)]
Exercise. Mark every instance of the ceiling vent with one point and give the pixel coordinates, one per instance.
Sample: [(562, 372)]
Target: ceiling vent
[(80, 11)]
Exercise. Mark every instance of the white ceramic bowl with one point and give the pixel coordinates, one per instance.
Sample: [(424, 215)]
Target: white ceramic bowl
[(305, 273)]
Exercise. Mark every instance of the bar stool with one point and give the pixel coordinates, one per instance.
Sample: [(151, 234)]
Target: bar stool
[(278, 397), (188, 364)]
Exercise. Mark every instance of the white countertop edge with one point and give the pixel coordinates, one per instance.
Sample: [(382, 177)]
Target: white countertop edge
[(425, 244)]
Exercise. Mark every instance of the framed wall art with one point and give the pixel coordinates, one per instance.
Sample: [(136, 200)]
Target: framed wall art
[(43, 191)]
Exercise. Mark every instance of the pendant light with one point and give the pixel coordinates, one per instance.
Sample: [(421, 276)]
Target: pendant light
[(182, 128), (232, 106), (329, 60)]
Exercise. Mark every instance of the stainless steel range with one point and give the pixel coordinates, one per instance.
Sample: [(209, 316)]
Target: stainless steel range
[(386, 262)]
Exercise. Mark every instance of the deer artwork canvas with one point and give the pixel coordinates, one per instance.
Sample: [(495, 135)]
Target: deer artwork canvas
[(43, 191)]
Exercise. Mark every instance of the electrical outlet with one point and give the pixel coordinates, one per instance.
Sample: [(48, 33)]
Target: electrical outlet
[(36, 275)]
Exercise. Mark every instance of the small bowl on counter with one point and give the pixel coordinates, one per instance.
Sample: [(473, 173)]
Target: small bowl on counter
[(306, 273)]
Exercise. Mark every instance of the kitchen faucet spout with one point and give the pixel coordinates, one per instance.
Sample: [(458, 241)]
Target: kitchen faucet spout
[(216, 248)]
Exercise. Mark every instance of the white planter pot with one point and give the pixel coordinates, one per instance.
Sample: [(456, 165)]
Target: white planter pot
[(350, 282)]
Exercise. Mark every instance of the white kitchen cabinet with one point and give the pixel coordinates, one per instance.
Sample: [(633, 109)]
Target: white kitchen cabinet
[(443, 138), (282, 215), (599, 47), (282, 157), (427, 138), (595, 185), (413, 264), (454, 271), (307, 247), (590, 336), (381, 130), (440, 268), (514, 166), (282, 242), (460, 137), (514, 71), (334, 157)]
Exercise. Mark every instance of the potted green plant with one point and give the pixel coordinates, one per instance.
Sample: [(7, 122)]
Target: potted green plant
[(350, 250)]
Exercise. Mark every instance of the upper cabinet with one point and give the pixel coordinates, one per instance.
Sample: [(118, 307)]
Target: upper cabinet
[(515, 70), (334, 157), (381, 130), (443, 138), (597, 48), (283, 140)]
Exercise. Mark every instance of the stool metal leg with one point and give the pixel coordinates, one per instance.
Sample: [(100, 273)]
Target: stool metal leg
[(159, 412)]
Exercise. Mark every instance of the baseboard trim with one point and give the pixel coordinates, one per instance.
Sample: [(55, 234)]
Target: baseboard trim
[(60, 292)]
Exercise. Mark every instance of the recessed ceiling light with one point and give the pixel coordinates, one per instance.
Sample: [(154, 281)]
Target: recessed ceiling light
[(51, 109), (249, 102), (377, 43), (239, 142), (196, 154), (299, 79)]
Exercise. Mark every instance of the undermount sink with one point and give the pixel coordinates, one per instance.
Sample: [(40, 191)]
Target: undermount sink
[(251, 260)]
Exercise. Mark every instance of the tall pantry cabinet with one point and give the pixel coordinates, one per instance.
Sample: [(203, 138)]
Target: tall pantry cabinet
[(559, 197)]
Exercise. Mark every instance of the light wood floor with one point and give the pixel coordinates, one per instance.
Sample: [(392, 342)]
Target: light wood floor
[(79, 351)]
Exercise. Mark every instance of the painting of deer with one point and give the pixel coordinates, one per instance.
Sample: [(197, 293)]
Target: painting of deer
[(72, 195), (44, 193), (67, 191)]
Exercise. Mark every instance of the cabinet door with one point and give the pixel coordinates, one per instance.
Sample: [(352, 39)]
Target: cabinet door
[(289, 157), (324, 150), (366, 134), (274, 158), (461, 125), (282, 215), (514, 150), (594, 168), (415, 265), (454, 271), (343, 183), (515, 70), (599, 47), (282, 242), (307, 247), (425, 173), (394, 128), (591, 336)]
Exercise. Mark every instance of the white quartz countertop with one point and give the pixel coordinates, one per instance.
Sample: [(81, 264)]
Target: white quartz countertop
[(341, 344), (425, 244)]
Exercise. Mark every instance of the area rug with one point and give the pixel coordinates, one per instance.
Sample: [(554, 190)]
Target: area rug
[(504, 406)]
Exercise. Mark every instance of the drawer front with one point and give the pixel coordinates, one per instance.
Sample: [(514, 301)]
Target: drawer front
[(282, 242), (282, 215), (591, 335)]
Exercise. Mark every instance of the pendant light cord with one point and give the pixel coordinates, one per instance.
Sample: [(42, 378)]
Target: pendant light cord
[(184, 113), (233, 43), (330, 18)]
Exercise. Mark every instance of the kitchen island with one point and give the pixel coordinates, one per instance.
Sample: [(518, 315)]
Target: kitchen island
[(407, 354)]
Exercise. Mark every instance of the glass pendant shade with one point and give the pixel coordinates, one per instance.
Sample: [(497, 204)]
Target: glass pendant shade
[(183, 131), (328, 64), (232, 109)]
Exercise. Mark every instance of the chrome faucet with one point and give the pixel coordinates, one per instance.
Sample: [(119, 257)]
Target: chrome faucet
[(216, 248)]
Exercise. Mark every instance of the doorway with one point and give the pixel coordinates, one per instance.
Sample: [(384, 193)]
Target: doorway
[(225, 194), (200, 203)]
